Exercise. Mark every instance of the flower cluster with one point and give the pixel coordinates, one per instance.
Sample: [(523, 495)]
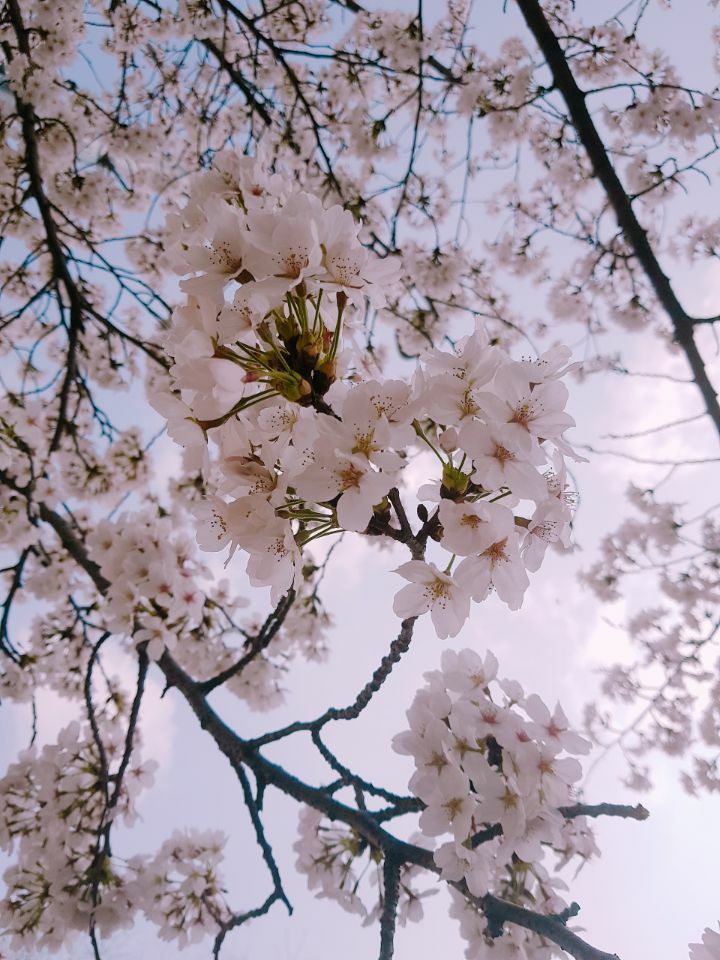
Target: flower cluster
[(340, 865), (180, 888), (162, 596), (675, 668), (53, 805), (493, 770), (307, 444)]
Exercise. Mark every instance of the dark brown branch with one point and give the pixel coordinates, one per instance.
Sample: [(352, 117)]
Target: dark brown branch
[(265, 847), (444, 71), (388, 918), (352, 779), (257, 643), (76, 299), (499, 912), (143, 663), (74, 547), (238, 920), (238, 79), (103, 848), (279, 58), (416, 548), (239, 751), (627, 220), (6, 644), (398, 647), (638, 812)]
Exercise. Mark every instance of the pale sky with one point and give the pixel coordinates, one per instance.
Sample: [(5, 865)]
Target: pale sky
[(655, 887)]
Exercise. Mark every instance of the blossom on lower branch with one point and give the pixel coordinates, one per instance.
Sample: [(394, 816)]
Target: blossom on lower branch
[(53, 810), (341, 866), (491, 771), (180, 888), (160, 597)]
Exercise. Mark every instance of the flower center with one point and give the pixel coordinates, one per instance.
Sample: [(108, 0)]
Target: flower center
[(350, 476), (437, 592), (503, 454), (294, 262), (496, 552), (470, 520), (522, 414), (437, 760), (468, 407), (453, 806)]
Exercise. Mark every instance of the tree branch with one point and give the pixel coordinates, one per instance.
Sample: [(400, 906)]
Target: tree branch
[(388, 918), (239, 751), (627, 220), (258, 643), (499, 912), (638, 812), (239, 81), (398, 647)]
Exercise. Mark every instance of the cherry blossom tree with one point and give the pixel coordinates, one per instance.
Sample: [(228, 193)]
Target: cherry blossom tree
[(328, 250)]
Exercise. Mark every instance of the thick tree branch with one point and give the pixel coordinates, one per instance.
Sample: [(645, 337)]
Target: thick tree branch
[(499, 912), (242, 752), (634, 233), (638, 812), (388, 918)]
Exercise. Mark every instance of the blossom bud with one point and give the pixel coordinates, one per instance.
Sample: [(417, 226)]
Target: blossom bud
[(454, 482), (308, 351), (296, 389), (449, 440), (324, 377)]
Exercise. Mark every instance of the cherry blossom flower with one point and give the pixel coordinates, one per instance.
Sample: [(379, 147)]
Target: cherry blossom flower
[(450, 807), (287, 247), (462, 525), (498, 562), (709, 949), (550, 523), (446, 597), (538, 409), (503, 457), (274, 555), (351, 476), (554, 727)]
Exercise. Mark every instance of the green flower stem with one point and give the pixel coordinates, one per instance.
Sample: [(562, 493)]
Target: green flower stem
[(241, 405), (420, 433)]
